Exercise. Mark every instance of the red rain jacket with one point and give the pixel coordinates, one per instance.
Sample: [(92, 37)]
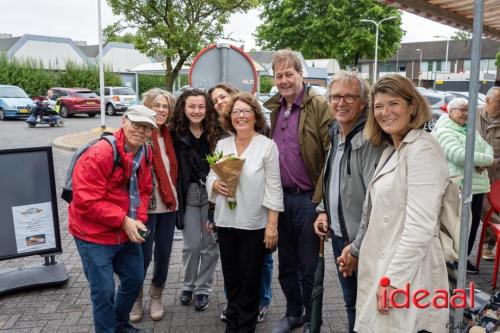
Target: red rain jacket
[(100, 194)]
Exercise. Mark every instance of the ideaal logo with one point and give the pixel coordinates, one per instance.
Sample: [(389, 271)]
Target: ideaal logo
[(440, 298)]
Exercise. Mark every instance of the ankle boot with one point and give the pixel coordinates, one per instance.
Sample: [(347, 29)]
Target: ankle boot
[(155, 307), (136, 313)]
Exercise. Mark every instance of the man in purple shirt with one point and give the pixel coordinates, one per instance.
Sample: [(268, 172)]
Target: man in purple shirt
[(299, 126)]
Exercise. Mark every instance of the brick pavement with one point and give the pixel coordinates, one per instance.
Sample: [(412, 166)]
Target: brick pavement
[(68, 309)]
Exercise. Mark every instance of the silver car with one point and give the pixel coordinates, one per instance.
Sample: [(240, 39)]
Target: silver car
[(118, 99)]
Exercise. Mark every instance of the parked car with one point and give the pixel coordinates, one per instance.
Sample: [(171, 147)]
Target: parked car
[(481, 98), (77, 101), (14, 102), (118, 99), (438, 101)]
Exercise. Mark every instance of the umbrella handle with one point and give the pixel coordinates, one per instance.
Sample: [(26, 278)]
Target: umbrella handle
[(321, 247)]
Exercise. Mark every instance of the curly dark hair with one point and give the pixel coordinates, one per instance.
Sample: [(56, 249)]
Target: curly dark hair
[(210, 124), (260, 121)]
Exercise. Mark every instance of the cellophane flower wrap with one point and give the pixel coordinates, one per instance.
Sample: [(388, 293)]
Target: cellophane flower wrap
[(228, 169)]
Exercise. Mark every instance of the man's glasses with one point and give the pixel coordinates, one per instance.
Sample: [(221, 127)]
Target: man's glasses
[(286, 115), (238, 112), (138, 126), (348, 99)]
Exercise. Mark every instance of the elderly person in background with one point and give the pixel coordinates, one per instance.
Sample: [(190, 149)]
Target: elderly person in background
[(488, 125), (451, 132), (401, 214), (299, 126), (252, 227), (349, 167)]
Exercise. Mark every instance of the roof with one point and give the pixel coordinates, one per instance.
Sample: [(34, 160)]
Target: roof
[(6, 43), (436, 50), (262, 57), (455, 13), (90, 50)]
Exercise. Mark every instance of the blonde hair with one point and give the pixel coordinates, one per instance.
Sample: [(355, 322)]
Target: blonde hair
[(396, 85), (286, 57), (151, 95)]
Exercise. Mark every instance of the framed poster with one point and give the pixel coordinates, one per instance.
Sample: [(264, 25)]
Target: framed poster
[(28, 205)]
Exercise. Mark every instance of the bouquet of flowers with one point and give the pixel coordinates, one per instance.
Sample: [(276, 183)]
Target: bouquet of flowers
[(228, 169)]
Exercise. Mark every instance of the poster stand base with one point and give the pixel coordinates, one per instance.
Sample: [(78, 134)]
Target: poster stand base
[(49, 274)]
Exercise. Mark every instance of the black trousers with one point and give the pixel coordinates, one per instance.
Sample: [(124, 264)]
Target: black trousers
[(242, 258), (298, 248), (476, 206)]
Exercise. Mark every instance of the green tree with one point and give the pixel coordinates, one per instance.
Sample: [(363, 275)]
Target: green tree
[(329, 28), (176, 29), (111, 34), (497, 62), (461, 35)]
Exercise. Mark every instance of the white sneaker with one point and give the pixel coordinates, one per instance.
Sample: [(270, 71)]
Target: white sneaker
[(488, 254)]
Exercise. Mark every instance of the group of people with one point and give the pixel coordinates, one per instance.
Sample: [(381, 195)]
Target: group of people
[(356, 164)]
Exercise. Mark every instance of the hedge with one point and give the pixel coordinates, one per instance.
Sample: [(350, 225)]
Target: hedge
[(30, 75)]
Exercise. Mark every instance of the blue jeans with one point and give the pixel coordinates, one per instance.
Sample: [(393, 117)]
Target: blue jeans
[(349, 284), (266, 291), (161, 227), (298, 248), (99, 262)]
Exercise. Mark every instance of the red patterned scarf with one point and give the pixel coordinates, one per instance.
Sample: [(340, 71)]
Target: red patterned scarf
[(164, 185)]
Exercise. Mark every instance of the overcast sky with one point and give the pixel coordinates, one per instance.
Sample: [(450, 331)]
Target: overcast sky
[(77, 19)]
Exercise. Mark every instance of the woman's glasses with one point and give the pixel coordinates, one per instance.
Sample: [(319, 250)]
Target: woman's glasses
[(238, 112)]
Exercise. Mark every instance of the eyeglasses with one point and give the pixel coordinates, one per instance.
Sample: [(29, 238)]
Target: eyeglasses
[(138, 126), (286, 115), (348, 99), (238, 112)]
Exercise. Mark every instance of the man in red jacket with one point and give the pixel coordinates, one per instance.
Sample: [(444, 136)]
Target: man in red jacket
[(106, 214)]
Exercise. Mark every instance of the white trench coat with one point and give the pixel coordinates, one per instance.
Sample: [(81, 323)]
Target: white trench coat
[(401, 240)]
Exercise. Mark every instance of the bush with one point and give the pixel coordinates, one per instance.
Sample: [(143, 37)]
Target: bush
[(266, 83), (30, 75), (148, 81)]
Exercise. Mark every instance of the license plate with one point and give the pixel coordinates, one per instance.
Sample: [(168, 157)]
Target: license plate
[(91, 103), (24, 110)]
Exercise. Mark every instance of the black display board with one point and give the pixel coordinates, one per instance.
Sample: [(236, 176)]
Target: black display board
[(29, 218)]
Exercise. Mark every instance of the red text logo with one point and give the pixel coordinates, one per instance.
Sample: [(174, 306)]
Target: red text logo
[(422, 298)]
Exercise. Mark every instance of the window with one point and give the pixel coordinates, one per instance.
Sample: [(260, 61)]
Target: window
[(424, 67), (85, 94), (365, 68), (466, 65), (124, 91)]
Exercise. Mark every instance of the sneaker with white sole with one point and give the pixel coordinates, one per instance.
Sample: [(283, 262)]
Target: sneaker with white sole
[(488, 254), (222, 316)]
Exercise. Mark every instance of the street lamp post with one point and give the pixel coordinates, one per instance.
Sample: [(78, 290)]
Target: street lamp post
[(377, 24), (419, 67), (447, 47)]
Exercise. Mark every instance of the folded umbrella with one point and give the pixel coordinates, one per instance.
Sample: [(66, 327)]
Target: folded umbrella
[(317, 291)]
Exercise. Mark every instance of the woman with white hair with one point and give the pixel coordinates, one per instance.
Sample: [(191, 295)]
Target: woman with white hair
[(451, 132)]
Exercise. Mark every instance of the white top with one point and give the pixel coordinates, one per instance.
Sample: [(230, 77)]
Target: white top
[(160, 206), (259, 186)]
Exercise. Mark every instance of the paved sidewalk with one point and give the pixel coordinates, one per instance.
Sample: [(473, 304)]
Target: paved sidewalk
[(68, 309)]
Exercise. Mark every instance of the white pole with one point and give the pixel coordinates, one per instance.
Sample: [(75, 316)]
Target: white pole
[(376, 53), (101, 67), (377, 24), (419, 67), (447, 46)]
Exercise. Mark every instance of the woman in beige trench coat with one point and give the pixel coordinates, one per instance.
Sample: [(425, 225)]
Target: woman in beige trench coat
[(403, 204)]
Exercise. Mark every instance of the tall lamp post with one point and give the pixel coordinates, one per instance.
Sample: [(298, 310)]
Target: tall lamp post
[(447, 47), (377, 24), (419, 67), (101, 67)]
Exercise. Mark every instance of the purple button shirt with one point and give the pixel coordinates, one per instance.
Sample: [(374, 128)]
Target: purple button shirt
[(286, 135)]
